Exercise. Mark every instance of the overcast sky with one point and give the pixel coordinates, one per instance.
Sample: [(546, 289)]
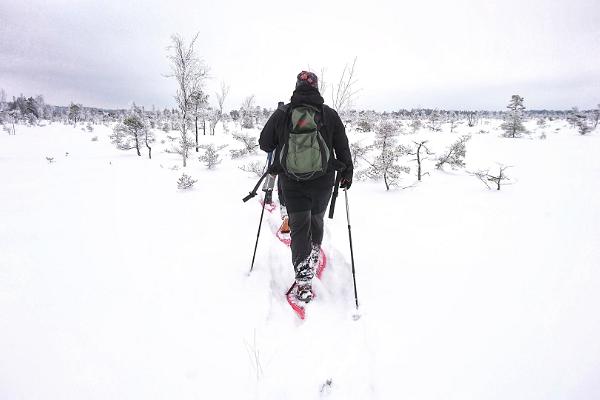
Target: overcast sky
[(460, 54)]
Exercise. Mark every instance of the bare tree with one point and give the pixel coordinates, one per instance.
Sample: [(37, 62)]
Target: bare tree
[(454, 155), (190, 72), (417, 152), (217, 114), (596, 117), (322, 82), (471, 118), (498, 179), (344, 92), (248, 112)]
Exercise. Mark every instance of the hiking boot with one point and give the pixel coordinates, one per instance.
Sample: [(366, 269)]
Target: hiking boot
[(305, 271), (304, 292), (315, 255)]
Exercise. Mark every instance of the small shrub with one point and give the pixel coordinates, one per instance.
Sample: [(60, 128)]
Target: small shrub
[(95, 139), (211, 157), (255, 168), (185, 182)]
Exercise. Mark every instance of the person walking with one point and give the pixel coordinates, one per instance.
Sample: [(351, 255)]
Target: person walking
[(310, 143)]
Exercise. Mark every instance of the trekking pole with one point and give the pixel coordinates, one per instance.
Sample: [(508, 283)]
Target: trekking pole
[(351, 249), (262, 213), (334, 196), (339, 167)]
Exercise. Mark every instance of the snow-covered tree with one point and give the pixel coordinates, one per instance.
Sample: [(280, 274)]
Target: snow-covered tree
[(185, 182), (2, 100), (190, 72), (211, 157), (415, 121), (454, 155), (255, 167), (471, 118), (453, 120), (74, 112), (198, 104), (248, 141), (132, 132), (513, 125), (579, 120), (248, 112), (385, 165), (358, 151), (434, 122), (595, 117)]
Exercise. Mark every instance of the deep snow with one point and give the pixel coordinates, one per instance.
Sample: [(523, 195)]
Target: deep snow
[(114, 284)]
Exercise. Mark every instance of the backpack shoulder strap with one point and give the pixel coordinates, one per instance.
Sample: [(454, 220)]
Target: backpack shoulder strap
[(284, 107)]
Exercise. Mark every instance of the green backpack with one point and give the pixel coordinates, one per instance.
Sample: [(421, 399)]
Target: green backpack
[(304, 155)]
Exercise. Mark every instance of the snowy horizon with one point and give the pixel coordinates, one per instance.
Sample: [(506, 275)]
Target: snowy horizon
[(464, 55)]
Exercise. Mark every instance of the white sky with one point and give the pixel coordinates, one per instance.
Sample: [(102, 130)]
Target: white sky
[(463, 54)]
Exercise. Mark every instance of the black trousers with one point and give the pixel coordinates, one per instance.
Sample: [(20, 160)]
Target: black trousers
[(280, 192), (306, 210)]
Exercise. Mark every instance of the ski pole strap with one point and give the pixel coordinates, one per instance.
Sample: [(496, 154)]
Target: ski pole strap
[(254, 191)]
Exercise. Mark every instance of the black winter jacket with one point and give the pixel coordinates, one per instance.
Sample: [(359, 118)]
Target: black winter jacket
[(333, 133)]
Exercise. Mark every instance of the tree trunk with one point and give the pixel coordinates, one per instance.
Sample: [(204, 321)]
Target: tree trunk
[(196, 125), (387, 187), (137, 145), (419, 163), (204, 127)]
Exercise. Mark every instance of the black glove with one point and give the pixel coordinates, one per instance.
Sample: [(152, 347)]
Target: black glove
[(346, 180)]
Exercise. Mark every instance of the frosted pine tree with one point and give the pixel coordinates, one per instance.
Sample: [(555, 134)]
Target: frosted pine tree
[(385, 164), (211, 157), (513, 125), (74, 112), (132, 132), (454, 155)]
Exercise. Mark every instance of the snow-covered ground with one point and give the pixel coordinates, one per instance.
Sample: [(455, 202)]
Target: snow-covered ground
[(114, 284)]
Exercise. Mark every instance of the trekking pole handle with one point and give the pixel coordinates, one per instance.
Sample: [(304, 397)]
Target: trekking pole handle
[(334, 196)]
